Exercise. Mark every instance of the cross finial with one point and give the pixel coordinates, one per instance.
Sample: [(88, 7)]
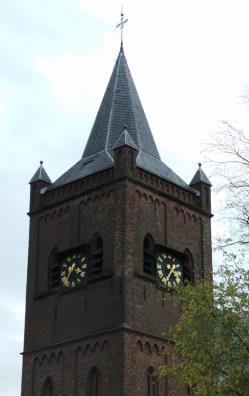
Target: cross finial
[(121, 24)]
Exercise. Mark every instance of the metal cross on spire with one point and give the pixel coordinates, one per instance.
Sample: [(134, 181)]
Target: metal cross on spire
[(121, 25)]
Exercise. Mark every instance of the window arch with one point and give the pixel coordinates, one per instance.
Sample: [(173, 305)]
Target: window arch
[(96, 256), (149, 262), (93, 382), (152, 382), (53, 269), (48, 388)]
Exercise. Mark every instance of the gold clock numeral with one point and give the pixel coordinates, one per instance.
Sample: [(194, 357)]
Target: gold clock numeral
[(73, 284), (69, 258), (159, 266), (63, 273)]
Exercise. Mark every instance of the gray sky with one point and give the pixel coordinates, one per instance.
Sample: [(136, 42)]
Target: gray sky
[(189, 60)]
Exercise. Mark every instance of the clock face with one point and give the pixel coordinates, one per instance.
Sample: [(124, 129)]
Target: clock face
[(169, 270), (73, 269)]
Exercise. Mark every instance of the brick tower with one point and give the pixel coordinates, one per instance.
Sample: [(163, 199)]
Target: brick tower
[(109, 241)]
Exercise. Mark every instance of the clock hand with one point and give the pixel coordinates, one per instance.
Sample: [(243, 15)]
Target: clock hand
[(70, 270), (171, 271)]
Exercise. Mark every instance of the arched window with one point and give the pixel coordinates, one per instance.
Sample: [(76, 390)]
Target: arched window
[(48, 388), (53, 270), (96, 256), (188, 268), (93, 382), (149, 262), (152, 382)]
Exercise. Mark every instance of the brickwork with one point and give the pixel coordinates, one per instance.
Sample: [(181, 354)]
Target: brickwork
[(116, 321)]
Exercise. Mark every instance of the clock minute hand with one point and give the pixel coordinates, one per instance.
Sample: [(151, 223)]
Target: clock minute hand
[(171, 271), (70, 270)]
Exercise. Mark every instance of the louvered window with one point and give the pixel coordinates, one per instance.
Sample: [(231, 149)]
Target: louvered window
[(149, 261), (53, 270), (96, 259), (48, 388), (93, 384), (152, 383), (188, 269)]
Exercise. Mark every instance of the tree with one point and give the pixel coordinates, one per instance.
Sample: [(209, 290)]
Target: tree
[(211, 338), (229, 150)]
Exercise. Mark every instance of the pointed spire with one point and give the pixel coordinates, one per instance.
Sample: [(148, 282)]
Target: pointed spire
[(125, 140), (120, 106), (200, 177), (40, 174)]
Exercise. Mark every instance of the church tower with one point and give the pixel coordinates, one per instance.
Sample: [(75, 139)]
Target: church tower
[(109, 241)]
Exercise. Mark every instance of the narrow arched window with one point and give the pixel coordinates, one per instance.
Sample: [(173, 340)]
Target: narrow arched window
[(93, 382), (149, 262), (152, 382), (48, 388), (96, 257), (53, 270), (188, 268)]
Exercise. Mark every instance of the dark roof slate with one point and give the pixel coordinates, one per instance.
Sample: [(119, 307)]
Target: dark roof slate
[(125, 140), (200, 177), (120, 108), (40, 174)]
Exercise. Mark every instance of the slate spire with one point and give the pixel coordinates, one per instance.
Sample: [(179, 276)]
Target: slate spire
[(120, 106), (200, 177), (41, 175)]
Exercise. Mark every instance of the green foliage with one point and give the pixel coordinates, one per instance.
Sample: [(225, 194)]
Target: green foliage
[(211, 336)]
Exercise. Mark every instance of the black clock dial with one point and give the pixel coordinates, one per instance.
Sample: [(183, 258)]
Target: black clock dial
[(169, 270), (73, 269)]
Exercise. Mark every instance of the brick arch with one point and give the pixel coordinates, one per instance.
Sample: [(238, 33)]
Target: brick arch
[(87, 349), (79, 352), (139, 346), (156, 349), (147, 348), (188, 216), (60, 357), (145, 196), (105, 346), (138, 194), (151, 199), (44, 360), (96, 347), (52, 358)]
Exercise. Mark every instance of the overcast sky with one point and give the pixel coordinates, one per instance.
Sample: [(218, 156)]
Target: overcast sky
[(190, 63)]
